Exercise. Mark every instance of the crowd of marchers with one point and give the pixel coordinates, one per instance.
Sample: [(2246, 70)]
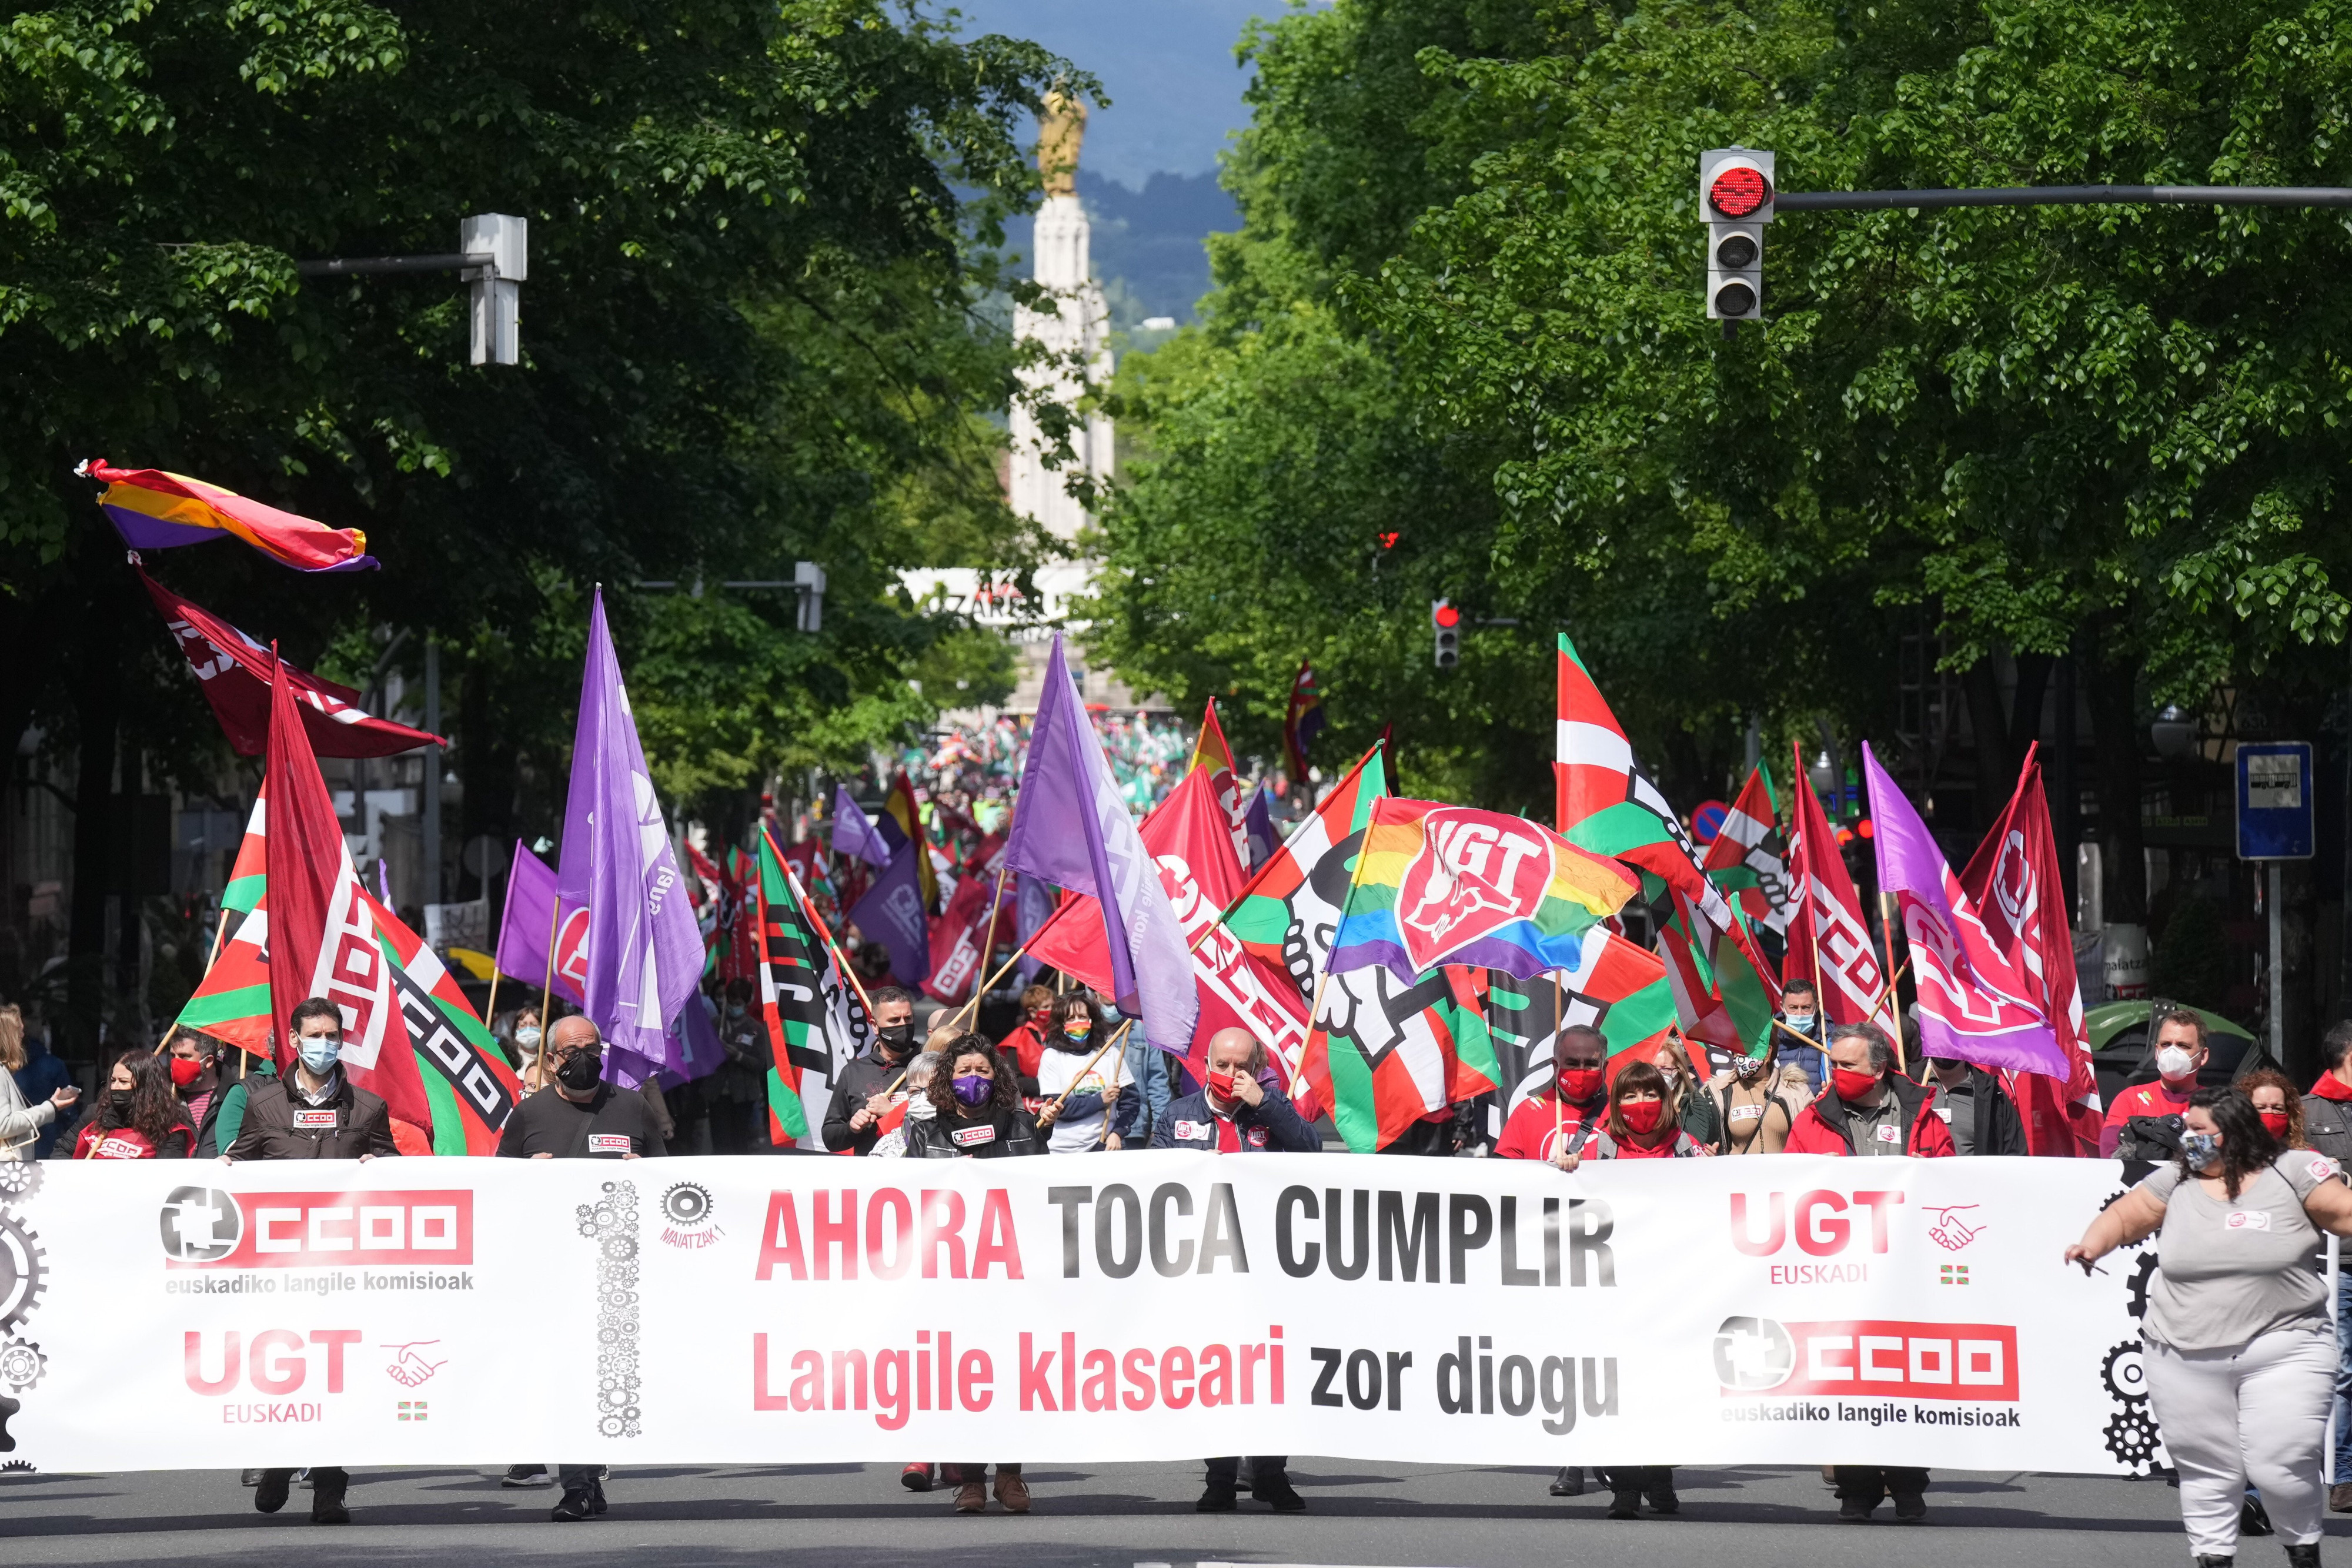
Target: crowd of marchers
[(2244, 1356)]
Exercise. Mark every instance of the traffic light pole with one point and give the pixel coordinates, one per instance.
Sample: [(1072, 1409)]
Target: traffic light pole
[(2069, 196)]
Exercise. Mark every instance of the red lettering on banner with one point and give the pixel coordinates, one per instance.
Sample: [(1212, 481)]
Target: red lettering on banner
[(780, 1238), (1819, 1225), (273, 1360)]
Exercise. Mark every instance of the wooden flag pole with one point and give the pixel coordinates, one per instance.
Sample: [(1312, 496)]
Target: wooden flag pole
[(547, 985), (989, 985), (1117, 1035)]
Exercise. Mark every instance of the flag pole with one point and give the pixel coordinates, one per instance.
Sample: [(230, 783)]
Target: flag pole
[(1558, 1095), (547, 985), (997, 903), (1117, 1035), (220, 930), (1814, 929), (1894, 976), (1315, 1007)]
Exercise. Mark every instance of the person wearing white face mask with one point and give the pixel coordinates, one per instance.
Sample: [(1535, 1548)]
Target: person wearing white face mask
[(2180, 1035)]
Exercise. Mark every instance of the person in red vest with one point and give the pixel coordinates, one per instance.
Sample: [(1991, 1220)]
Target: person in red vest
[(1871, 1110), (139, 1117), (1026, 1045), (1544, 1126), (2180, 1035)]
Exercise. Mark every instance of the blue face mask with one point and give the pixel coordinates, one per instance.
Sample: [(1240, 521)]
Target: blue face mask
[(1802, 1022), (320, 1055), (2201, 1149)]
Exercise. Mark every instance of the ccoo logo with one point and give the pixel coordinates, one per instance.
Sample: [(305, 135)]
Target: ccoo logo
[(201, 1225)]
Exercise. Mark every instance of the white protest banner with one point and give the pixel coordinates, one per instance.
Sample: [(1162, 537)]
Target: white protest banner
[(1097, 1307)]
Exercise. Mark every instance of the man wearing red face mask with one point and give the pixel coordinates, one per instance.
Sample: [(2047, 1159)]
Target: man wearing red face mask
[(1547, 1126), (195, 1074), (1869, 1109)]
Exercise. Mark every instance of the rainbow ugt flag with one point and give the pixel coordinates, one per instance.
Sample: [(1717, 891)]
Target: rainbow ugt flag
[(1448, 884), (155, 510)]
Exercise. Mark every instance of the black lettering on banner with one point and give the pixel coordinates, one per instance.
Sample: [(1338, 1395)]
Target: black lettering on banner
[(1330, 1361), (1557, 1383), (1523, 1369), (1163, 1263), (1070, 1199), (1221, 1233), (1398, 1244), (1462, 1236), (1608, 1403), (1486, 1378), (1512, 1274), (1551, 1241), (1297, 1265), (1120, 1198), (1398, 1360), (1454, 1379), (1334, 1234), (1367, 1396), (1590, 1222)]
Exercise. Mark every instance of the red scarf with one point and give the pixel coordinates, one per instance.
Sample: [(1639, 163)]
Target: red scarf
[(2331, 1087)]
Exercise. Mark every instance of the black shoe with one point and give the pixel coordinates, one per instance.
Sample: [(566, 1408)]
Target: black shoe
[(596, 1503), (253, 1478), (2216, 1559), (2254, 1519), (270, 1491), (327, 1508), (2304, 1556), (1855, 1509), (1664, 1501), (527, 1476), (1625, 1505), (1276, 1492), (1910, 1508), (1219, 1498), (577, 1502), (1570, 1482)]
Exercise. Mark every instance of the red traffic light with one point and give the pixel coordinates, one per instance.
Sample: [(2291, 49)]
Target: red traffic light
[(1866, 828), (1740, 191), (1445, 615)]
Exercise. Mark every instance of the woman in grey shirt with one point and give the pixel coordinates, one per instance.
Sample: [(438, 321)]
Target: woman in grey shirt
[(2241, 1355)]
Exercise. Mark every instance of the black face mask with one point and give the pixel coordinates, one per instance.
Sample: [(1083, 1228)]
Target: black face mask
[(580, 1072), (895, 1037), (119, 1100)]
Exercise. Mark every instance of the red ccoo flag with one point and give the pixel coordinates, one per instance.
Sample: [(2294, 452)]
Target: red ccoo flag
[(1829, 941), (322, 937)]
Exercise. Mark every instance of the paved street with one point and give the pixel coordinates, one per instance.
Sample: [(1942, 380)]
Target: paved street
[(848, 1515)]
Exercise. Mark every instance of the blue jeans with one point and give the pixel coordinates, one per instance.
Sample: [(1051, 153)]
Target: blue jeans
[(2343, 1470)]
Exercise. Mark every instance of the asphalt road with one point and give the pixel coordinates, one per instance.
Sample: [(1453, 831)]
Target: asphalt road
[(846, 1516)]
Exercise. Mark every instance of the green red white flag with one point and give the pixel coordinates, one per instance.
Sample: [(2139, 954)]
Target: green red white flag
[(1618, 988), (816, 1023), (1750, 858), (1382, 1052)]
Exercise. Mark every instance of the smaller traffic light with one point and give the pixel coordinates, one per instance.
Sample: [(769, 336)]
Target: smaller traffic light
[(1447, 621), (1736, 192)]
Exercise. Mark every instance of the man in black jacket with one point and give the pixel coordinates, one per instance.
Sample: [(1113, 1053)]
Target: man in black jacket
[(1983, 1119), (318, 1114), (853, 1120), (1234, 1114)]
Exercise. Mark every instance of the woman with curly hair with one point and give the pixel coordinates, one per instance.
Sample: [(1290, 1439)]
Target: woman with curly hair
[(2276, 1102), (2240, 1352), (139, 1117), (976, 1114)]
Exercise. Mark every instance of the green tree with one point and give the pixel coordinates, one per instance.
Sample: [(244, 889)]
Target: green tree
[(760, 242)]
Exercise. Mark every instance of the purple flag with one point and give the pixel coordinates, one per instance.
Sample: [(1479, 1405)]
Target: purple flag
[(642, 957), (853, 835), (1257, 825), (695, 1036), (891, 912), (1070, 827), (1032, 905), (1974, 1005), (526, 924)]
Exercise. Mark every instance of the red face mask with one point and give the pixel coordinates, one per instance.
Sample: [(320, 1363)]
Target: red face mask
[(1851, 1085), (2275, 1120), (1221, 1085), (185, 1070), (1642, 1115), (1579, 1084)]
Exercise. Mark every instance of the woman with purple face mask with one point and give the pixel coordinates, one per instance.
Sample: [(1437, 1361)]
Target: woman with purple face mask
[(977, 1115)]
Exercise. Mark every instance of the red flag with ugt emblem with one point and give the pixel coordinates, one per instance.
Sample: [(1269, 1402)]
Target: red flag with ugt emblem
[(1828, 939), (322, 935)]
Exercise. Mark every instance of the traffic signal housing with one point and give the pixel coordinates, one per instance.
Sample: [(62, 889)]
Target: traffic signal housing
[(1736, 193), (1447, 621)]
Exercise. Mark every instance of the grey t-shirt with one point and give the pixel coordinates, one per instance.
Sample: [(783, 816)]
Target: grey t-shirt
[(1875, 1129), (2228, 1271), (1958, 1107)]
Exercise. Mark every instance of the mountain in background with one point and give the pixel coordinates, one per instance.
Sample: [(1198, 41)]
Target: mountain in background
[(1148, 247)]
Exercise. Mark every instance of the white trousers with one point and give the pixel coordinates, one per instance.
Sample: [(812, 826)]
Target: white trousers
[(2255, 1414)]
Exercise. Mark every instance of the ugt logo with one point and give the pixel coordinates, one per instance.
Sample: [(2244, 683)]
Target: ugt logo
[(1474, 872)]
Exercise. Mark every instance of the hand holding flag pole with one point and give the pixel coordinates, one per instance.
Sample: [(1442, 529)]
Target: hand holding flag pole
[(1053, 1112)]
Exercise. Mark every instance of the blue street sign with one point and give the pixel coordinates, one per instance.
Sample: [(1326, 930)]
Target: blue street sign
[(2274, 801)]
